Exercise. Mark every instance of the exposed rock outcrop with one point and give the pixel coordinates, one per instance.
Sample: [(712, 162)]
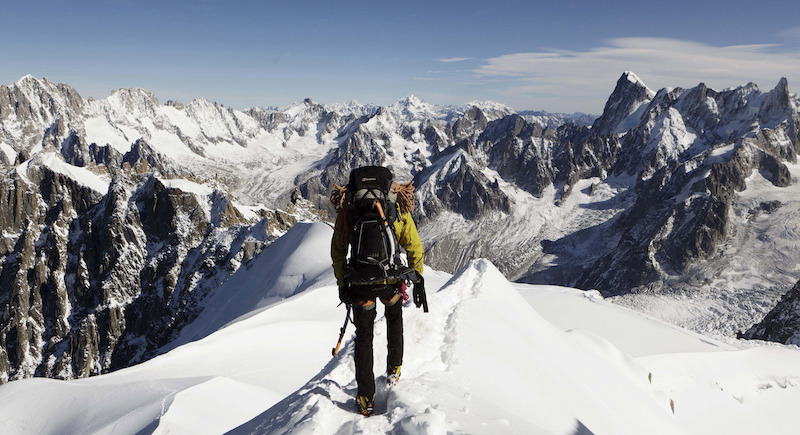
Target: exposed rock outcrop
[(782, 323)]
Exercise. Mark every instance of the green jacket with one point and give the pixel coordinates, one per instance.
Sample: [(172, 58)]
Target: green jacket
[(407, 237)]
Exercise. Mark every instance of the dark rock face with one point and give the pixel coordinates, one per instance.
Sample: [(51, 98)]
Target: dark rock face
[(101, 281), (626, 97), (473, 122), (782, 324), (464, 189), (143, 158), (691, 193), (76, 152)]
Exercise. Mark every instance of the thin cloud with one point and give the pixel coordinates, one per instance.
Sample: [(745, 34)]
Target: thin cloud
[(453, 59), (588, 76), (792, 34)]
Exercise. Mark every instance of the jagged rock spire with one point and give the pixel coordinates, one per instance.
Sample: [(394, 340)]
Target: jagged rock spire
[(628, 95)]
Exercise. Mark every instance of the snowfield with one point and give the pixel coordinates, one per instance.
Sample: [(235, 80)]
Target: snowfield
[(491, 357)]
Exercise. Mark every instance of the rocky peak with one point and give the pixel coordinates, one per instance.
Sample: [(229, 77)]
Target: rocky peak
[(491, 109), (412, 108), (352, 107), (26, 79), (138, 102), (304, 109), (512, 125), (143, 158), (31, 106), (699, 107), (410, 101), (460, 186), (629, 94), (474, 121), (777, 104), (176, 104)]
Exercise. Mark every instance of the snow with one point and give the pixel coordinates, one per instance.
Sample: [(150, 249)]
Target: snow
[(293, 265), (213, 141), (634, 333), (490, 357), (83, 176), (632, 77), (6, 149), (746, 391), (490, 106), (187, 186), (638, 110), (101, 132), (458, 376), (672, 136), (721, 154)]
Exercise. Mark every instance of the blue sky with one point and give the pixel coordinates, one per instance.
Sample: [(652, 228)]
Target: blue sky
[(559, 56)]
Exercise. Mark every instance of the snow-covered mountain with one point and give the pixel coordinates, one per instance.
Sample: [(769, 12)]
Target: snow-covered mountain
[(555, 120), (489, 357), (113, 207)]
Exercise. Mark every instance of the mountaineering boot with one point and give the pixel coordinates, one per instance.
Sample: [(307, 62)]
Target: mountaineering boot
[(365, 405), (392, 375)]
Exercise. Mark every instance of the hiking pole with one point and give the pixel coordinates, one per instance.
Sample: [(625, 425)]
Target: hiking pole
[(341, 331)]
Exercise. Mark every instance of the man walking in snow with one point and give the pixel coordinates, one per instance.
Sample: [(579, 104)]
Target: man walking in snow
[(373, 216)]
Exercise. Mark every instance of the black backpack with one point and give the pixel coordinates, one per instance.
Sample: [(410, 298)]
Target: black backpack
[(374, 253)]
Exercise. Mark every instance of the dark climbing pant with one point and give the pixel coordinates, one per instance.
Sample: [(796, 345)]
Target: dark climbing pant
[(364, 313)]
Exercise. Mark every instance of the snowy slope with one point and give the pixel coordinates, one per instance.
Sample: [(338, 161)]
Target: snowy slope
[(490, 357), (483, 361)]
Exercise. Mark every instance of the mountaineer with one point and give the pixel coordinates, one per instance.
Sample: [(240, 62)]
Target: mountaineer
[(373, 217)]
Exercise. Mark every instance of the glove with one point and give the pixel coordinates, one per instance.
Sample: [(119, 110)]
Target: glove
[(343, 295), (419, 292)]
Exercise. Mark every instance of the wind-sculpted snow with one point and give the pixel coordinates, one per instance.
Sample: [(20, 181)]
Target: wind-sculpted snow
[(292, 264), (482, 361)]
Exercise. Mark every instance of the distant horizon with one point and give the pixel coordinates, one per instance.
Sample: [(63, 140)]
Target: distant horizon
[(164, 101), (559, 57)]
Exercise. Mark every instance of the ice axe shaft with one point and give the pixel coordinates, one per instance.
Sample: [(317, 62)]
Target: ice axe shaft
[(341, 332), (380, 211)]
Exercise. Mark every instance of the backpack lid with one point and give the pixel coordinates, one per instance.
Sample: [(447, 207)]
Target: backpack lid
[(371, 177)]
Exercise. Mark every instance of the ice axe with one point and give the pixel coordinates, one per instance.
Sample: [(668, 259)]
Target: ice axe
[(420, 298), (341, 332)]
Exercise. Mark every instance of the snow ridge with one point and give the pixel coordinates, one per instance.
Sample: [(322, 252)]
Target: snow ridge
[(487, 392)]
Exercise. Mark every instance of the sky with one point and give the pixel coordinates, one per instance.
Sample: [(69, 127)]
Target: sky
[(559, 56)]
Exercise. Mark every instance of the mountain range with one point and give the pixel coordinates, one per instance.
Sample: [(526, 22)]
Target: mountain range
[(120, 216)]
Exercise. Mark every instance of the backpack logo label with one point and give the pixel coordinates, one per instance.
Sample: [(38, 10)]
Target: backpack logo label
[(367, 179)]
